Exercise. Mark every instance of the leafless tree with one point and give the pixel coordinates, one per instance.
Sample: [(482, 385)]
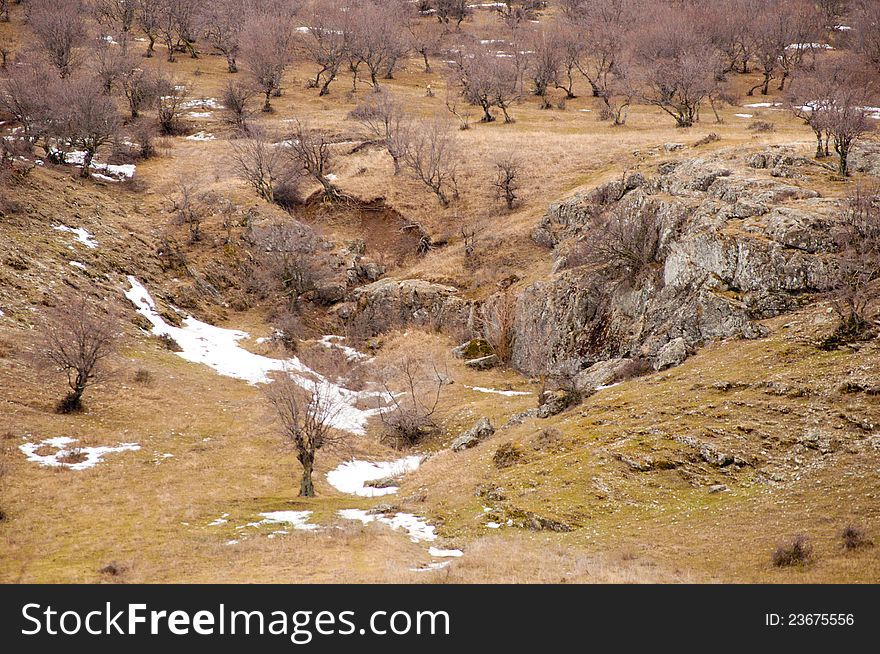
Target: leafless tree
[(432, 158), (25, 94), (60, 29), (170, 98), (291, 260), (222, 21), (259, 163), (485, 80), (451, 12), (118, 15), (858, 259), (834, 101), (266, 51), (141, 89), (87, 117), (514, 12), (676, 67), (237, 97), (76, 339), (507, 178), (307, 411), (148, 16), (188, 208), (326, 43), (412, 389), (424, 37), (383, 115), (179, 25), (377, 39), (308, 151), (499, 314), (110, 63), (4, 11), (866, 15)]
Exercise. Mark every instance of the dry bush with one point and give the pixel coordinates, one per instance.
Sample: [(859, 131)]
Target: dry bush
[(413, 388), (507, 455), (308, 154), (858, 260), (506, 181), (548, 438), (60, 30), (499, 314), (77, 337), (795, 551), (432, 157), (259, 162), (385, 119), (143, 376), (237, 97), (854, 538), (761, 126), (170, 97)]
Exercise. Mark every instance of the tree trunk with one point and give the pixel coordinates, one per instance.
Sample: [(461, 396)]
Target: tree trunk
[(84, 172), (266, 106), (306, 487)]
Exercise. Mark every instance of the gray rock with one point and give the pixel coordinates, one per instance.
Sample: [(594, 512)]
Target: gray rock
[(473, 349), (555, 402), (717, 488), (482, 430), (671, 354), (483, 363)]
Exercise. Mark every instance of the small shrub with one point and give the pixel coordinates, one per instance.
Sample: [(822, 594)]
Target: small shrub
[(143, 376), (761, 126), (73, 456), (709, 138), (70, 403), (506, 455), (854, 538), (796, 551), (169, 343), (113, 569), (548, 438)]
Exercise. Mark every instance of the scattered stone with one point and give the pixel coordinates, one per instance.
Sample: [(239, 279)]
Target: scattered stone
[(717, 488), (555, 402), (482, 430), (384, 482)]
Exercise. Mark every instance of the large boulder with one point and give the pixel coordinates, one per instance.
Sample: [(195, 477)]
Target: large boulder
[(482, 430), (671, 354)]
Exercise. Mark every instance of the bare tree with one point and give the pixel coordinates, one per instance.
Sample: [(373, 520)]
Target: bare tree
[(60, 29), (141, 89), (485, 80), (432, 157), (291, 259), (451, 12), (412, 390), (259, 163), (266, 51), (24, 94), (76, 339), (307, 417), (858, 259), (514, 12), (87, 117), (376, 39), (424, 37), (866, 17), (507, 178), (309, 151), (499, 314), (148, 15), (237, 98), (170, 98), (118, 15), (178, 25), (383, 115), (222, 20), (188, 208), (833, 100), (327, 43), (676, 68)]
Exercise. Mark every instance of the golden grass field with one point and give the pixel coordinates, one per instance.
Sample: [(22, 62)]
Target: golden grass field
[(150, 514)]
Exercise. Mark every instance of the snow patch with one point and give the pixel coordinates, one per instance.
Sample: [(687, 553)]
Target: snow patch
[(219, 349), (350, 477), (495, 391), (201, 136), (296, 519), (331, 342), (436, 551), (77, 264), (92, 455), (416, 528), (82, 235)]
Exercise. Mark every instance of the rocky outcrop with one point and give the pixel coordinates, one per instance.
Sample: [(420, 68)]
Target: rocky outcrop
[(482, 430), (732, 245), (390, 303)]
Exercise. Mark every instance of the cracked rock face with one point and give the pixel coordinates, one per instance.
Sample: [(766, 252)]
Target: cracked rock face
[(735, 245)]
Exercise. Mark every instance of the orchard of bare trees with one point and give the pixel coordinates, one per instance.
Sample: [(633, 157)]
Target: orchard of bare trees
[(84, 66)]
